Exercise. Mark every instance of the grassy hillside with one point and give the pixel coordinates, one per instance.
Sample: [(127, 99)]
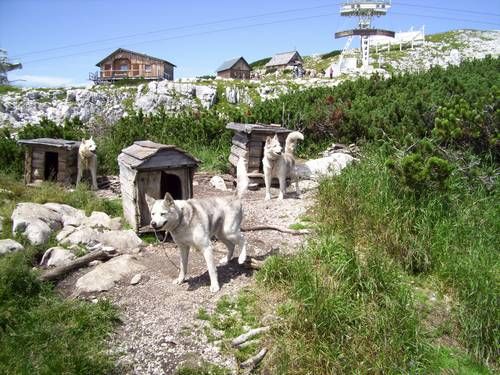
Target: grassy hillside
[(401, 275)]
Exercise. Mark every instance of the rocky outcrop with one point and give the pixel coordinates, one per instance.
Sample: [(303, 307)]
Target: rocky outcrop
[(107, 104), (37, 222)]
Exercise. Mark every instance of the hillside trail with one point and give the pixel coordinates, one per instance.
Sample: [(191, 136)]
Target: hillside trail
[(159, 329)]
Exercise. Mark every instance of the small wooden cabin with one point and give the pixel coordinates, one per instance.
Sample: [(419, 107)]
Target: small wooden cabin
[(249, 141), (48, 159), (153, 169), (237, 68), (124, 63), (284, 60)]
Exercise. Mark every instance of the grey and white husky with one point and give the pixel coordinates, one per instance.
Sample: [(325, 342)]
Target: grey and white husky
[(277, 163), (192, 224)]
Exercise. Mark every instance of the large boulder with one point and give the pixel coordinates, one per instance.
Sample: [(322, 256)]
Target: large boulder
[(124, 240), (9, 246), (102, 220), (57, 256), (104, 276), (35, 221), (78, 236), (69, 215)]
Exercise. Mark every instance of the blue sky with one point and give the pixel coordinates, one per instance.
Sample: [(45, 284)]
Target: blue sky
[(60, 41)]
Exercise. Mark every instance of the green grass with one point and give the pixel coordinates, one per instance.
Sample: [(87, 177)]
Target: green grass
[(260, 63), (202, 368), (450, 38), (342, 314), (232, 317), (4, 89), (40, 332), (44, 334), (350, 300)]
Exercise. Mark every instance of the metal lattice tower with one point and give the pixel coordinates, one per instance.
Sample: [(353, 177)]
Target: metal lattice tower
[(365, 11)]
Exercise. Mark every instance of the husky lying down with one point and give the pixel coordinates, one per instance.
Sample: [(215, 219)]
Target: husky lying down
[(193, 223)]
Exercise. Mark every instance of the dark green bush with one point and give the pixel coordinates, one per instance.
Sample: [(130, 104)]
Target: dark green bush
[(11, 155), (422, 170)]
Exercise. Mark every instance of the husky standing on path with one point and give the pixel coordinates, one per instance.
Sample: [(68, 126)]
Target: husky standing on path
[(193, 223), (87, 159), (279, 164)]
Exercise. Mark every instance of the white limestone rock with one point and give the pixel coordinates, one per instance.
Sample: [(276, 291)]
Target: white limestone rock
[(207, 96), (122, 240), (9, 246), (80, 236), (104, 276), (57, 256), (218, 183), (69, 214)]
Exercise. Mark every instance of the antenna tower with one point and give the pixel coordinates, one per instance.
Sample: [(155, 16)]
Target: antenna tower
[(365, 11)]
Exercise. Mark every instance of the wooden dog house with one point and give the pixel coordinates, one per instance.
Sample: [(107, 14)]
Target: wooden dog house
[(48, 159), (153, 169), (249, 141)]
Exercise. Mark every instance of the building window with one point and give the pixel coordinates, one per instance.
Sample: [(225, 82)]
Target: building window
[(107, 66), (123, 67), (147, 68)]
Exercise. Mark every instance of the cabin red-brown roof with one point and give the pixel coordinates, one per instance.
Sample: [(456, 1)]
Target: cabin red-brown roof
[(135, 53)]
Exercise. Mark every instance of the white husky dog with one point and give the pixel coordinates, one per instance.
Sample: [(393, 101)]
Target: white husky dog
[(87, 159), (193, 222), (279, 164)]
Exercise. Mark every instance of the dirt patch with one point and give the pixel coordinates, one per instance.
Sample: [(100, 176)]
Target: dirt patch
[(159, 328)]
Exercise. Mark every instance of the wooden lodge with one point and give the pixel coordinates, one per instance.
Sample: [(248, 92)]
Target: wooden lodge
[(48, 159), (153, 169), (237, 68), (249, 141), (125, 64), (284, 60)]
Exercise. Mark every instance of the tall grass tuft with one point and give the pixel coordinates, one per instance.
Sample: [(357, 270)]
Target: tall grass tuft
[(349, 304), (450, 234), (344, 314)]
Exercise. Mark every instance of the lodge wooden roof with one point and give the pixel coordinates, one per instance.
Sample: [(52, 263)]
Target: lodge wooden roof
[(150, 155), (135, 53)]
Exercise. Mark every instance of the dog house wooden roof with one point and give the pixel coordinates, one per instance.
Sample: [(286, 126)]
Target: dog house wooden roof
[(257, 128), (149, 168), (144, 155), (51, 142), (50, 159)]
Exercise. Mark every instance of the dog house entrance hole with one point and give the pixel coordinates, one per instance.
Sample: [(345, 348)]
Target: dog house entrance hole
[(172, 184), (51, 166)]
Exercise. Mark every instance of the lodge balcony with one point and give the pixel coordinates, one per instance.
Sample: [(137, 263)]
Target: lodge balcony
[(116, 75)]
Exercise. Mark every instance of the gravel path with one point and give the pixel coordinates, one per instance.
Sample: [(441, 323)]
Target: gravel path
[(159, 327)]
